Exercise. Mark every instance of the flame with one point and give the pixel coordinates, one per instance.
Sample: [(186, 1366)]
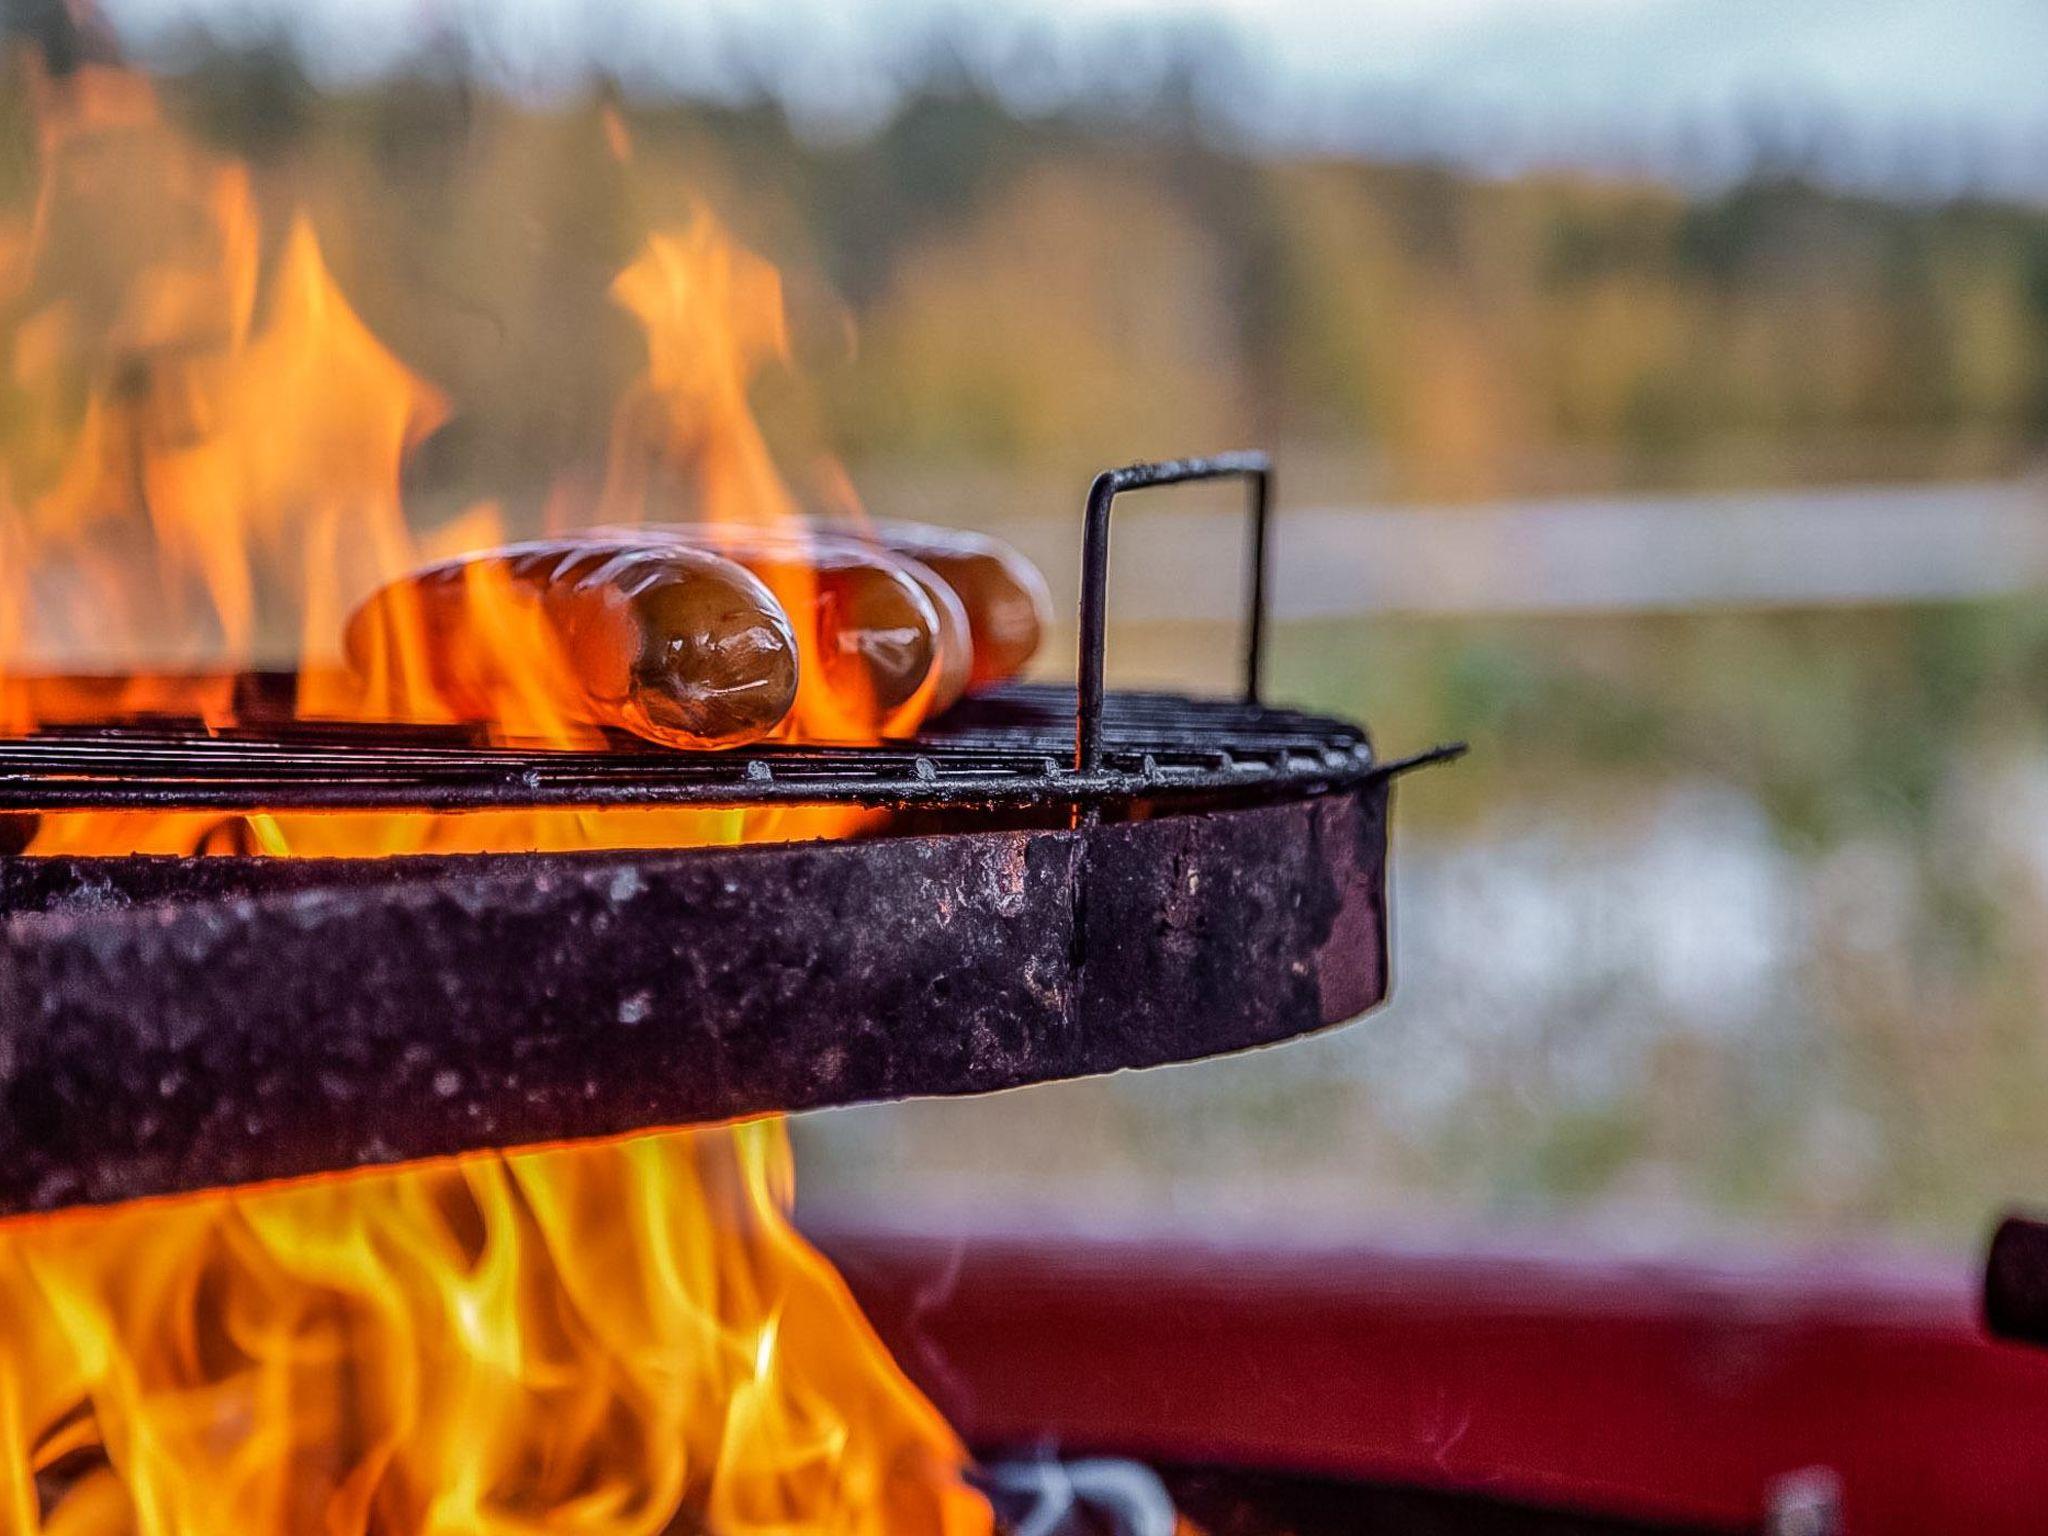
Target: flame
[(685, 436), (228, 487), (135, 275), (713, 315), (394, 681), (611, 1338), (220, 478), (621, 1337), (378, 834)]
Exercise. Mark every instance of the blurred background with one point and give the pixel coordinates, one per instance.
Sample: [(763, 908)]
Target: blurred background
[(1660, 391)]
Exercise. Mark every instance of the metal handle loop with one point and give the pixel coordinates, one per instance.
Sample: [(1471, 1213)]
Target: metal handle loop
[(1255, 467)]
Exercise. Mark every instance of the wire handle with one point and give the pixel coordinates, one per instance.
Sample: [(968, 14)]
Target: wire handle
[(1254, 467)]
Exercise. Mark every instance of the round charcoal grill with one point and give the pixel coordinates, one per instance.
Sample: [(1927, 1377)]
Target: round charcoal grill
[(1072, 882)]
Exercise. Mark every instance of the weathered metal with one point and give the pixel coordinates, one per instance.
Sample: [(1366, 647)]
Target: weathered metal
[(172, 1024)]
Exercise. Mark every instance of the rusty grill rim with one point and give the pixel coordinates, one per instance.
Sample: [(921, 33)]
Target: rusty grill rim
[(307, 1012)]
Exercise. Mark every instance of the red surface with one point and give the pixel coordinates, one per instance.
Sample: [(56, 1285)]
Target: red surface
[(1653, 1387)]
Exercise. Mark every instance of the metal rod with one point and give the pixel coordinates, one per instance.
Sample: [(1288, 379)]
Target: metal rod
[(1255, 583), (1253, 466), (1008, 747)]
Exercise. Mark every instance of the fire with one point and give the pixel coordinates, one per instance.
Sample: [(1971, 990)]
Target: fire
[(135, 273), (619, 1337), (685, 441), (627, 1337), (227, 487), (225, 476)]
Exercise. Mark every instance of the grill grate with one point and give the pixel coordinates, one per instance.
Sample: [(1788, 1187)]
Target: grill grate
[(1011, 747), (1019, 746)]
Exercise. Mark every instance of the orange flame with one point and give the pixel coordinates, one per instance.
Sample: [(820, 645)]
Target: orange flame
[(626, 1337), (713, 314), (228, 489), (685, 442), (135, 276), (219, 482)]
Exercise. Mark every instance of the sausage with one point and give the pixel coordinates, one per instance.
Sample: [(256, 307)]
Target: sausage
[(1008, 607), (671, 643), (955, 638), (882, 652)]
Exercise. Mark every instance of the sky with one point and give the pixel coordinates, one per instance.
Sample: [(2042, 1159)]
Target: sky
[(1928, 88)]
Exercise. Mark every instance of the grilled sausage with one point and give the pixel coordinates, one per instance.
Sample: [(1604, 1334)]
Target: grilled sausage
[(955, 635), (881, 651), (671, 643), (1008, 607)]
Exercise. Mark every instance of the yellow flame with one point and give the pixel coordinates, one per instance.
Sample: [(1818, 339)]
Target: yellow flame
[(626, 1337), (226, 491), (134, 278), (686, 443), (228, 487), (713, 314)]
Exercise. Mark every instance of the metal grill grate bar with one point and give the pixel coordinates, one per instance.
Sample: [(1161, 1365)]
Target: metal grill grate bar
[(1011, 747)]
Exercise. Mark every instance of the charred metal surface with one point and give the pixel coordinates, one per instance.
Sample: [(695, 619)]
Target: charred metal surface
[(282, 1018)]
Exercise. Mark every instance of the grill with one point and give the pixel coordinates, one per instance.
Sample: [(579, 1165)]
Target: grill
[(1020, 746), (1009, 748), (1073, 882)]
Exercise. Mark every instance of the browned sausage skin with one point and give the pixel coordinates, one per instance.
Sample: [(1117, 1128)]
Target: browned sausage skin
[(992, 605), (671, 643), (891, 646), (1007, 606)]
